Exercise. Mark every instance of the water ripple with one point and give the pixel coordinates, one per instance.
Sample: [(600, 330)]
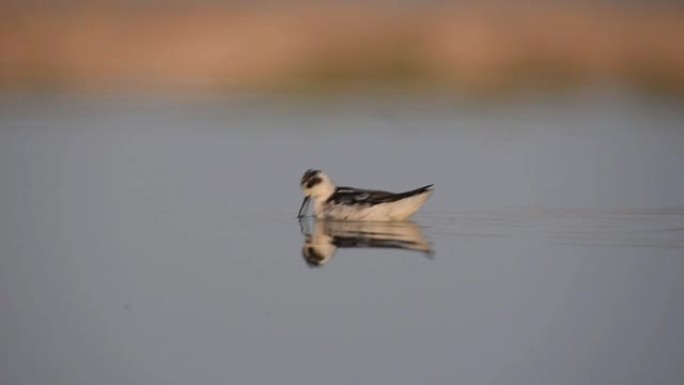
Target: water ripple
[(660, 227)]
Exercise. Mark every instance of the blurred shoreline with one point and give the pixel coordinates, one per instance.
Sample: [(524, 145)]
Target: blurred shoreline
[(471, 48)]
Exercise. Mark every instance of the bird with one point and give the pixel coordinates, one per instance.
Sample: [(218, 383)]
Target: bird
[(353, 204)]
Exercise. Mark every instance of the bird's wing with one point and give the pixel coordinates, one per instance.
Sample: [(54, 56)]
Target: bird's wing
[(350, 195)]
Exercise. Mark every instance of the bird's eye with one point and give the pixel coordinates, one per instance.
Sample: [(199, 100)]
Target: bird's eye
[(313, 182)]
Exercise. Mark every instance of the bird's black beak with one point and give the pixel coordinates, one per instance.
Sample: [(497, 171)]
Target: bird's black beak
[(304, 207)]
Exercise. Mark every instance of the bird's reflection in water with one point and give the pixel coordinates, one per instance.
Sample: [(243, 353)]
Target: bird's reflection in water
[(323, 237)]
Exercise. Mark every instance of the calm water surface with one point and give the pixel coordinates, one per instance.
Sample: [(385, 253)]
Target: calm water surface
[(152, 240)]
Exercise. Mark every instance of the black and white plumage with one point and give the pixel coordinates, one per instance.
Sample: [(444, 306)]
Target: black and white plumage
[(348, 203)]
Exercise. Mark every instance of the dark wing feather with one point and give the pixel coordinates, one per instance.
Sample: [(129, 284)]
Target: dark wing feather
[(350, 195), (370, 242)]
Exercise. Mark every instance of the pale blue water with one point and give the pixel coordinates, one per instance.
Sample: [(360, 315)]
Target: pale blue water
[(152, 240)]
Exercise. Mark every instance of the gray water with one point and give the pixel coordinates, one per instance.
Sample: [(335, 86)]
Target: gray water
[(153, 240)]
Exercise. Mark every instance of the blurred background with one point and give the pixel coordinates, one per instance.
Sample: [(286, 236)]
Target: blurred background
[(150, 159), (471, 47)]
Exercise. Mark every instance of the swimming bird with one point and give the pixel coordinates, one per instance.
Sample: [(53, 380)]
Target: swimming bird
[(348, 203)]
